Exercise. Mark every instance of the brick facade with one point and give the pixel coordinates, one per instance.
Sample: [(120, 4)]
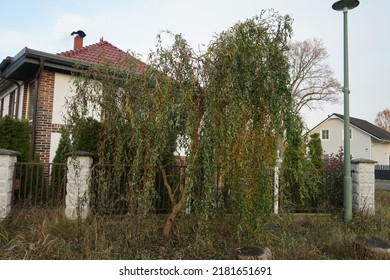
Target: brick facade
[(44, 115)]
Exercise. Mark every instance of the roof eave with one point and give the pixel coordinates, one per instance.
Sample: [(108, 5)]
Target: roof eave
[(34, 57)]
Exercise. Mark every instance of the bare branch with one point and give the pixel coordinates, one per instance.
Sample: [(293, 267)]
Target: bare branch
[(312, 80)]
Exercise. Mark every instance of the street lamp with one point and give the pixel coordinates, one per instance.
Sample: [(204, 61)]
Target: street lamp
[(345, 5)]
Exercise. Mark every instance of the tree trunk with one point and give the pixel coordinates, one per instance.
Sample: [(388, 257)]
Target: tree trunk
[(176, 206), (172, 216)]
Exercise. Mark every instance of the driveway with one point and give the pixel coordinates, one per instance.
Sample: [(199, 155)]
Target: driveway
[(382, 184)]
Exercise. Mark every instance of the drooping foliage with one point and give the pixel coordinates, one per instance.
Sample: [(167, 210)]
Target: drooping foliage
[(247, 105), (226, 107), (295, 166), (137, 130)]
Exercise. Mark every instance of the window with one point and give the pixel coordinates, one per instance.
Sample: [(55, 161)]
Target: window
[(11, 105), (7, 104), (325, 134)]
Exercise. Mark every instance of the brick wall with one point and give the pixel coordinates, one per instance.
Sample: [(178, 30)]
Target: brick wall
[(44, 116)]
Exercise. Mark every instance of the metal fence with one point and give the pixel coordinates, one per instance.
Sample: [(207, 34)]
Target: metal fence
[(323, 193), (39, 185), (382, 172), (113, 190), (109, 188)]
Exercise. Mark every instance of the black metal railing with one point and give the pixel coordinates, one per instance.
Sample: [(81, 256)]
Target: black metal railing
[(382, 172), (39, 184)]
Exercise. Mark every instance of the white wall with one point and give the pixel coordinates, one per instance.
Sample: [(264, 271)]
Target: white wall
[(381, 152), (335, 141), (360, 142), (63, 89), (54, 141)]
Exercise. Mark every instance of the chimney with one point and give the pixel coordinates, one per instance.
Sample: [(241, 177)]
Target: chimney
[(78, 39)]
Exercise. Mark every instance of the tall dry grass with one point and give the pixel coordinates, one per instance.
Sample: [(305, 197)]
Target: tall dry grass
[(46, 234)]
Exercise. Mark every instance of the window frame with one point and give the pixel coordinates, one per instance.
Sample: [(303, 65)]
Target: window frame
[(323, 131)]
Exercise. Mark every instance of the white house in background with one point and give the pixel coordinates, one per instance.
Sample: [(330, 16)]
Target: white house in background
[(367, 140)]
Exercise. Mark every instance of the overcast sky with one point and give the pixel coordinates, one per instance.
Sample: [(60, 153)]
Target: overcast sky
[(134, 24)]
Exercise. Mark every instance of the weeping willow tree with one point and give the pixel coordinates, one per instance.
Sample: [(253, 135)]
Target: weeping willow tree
[(226, 107), (137, 129), (248, 107)]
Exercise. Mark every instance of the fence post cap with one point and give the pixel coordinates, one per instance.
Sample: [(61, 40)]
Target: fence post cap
[(363, 160), (6, 152), (79, 154)]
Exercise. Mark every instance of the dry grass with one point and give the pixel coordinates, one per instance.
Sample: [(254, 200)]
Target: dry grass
[(46, 234)]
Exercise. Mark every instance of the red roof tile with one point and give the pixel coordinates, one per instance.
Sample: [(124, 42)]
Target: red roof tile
[(101, 52)]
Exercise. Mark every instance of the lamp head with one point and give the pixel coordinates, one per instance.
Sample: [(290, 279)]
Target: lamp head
[(342, 4)]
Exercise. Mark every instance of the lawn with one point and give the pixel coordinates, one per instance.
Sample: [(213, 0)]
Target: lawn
[(46, 234)]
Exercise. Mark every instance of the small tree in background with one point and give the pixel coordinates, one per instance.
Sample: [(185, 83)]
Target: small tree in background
[(315, 152), (315, 157), (383, 119), (64, 147), (84, 136), (302, 170)]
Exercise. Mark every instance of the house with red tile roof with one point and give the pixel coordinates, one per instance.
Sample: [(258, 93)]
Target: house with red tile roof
[(34, 85)]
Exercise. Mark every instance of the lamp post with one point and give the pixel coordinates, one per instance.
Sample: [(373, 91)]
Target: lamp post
[(345, 5)]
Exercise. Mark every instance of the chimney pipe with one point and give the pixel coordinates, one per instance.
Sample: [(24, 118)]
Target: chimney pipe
[(78, 39)]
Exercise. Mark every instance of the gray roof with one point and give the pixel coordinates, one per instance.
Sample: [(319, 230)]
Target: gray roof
[(374, 130)]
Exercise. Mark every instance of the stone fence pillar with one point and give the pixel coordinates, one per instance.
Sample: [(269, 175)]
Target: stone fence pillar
[(363, 186), (7, 165), (77, 187)]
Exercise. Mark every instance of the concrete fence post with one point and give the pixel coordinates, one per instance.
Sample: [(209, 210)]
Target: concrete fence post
[(363, 186), (77, 187), (8, 159)]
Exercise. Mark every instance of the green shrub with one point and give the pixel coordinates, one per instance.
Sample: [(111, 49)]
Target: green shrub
[(64, 147), (14, 135), (86, 136)]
